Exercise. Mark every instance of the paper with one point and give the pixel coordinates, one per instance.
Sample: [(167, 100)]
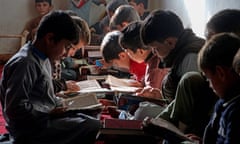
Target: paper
[(120, 85), (91, 86), (82, 101)]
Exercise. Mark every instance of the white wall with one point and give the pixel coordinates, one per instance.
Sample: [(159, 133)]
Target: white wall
[(13, 16), (15, 13), (194, 13)]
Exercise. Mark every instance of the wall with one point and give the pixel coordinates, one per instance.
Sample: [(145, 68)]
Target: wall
[(15, 13), (194, 13)]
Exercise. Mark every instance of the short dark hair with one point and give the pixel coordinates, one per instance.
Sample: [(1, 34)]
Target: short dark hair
[(227, 20), (220, 50), (110, 46), (114, 4), (159, 25), (61, 25), (124, 13), (48, 1), (144, 2), (130, 37)]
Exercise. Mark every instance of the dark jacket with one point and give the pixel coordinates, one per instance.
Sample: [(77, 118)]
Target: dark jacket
[(187, 43), (224, 126)]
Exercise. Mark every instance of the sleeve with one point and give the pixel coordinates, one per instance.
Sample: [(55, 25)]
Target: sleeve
[(21, 79), (188, 64), (232, 127), (59, 85)]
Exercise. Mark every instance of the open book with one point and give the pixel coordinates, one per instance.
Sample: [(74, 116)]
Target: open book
[(90, 86), (82, 102), (120, 85), (164, 129)]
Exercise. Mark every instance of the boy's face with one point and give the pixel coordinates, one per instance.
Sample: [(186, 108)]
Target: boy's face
[(160, 49), (71, 51), (43, 8), (217, 80)]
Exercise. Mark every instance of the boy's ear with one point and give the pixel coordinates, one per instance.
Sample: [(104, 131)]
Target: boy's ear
[(122, 55), (49, 38), (124, 24), (221, 73)]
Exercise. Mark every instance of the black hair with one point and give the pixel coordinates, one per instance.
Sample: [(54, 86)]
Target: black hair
[(227, 20), (48, 1), (220, 50), (61, 25), (130, 38), (114, 4), (159, 25), (144, 2), (124, 13), (110, 46)]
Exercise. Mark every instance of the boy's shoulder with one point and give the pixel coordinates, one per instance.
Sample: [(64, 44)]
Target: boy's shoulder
[(33, 23)]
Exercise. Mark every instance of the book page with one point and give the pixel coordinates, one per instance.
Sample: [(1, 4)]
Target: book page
[(121, 85), (82, 101), (88, 86), (117, 82)]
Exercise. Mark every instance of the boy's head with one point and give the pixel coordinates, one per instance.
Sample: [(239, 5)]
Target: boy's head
[(112, 52), (227, 20), (43, 6), (113, 5), (160, 30), (139, 5), (84, 35), (131, 42), (159, 25), (123, 15), (57, 32), (215, 60)]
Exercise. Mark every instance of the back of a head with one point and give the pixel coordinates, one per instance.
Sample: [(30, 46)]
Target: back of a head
[(61, 25), (124, 13), (144, 2), (227, 20), (159, 25), (48, 1), (85, 34), (130, 38), (114, 4), (220, 50), (110, 47)]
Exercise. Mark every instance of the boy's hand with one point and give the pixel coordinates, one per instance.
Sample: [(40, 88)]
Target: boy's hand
[(150, 92)]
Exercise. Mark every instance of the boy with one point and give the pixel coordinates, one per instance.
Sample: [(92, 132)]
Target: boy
[(131, 43), (141, 7), (176, 46), (114, 55), (60, 69), (31, 109), (123, 15), (42, 7), (194, 98), (215, 60)]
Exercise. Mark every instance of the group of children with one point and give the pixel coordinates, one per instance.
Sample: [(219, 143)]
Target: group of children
[(199, 78)]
